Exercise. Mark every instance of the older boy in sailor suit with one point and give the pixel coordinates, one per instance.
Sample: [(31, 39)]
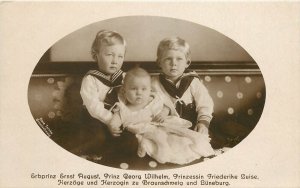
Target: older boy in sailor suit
[(99, 89), (183, 93)]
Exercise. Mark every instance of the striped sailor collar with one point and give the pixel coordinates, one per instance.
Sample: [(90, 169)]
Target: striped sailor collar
[(111, 78), (184, 75)]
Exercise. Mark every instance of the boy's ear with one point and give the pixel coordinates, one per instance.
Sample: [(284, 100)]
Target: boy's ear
[(158, 62), (188, 63), (96, 57)]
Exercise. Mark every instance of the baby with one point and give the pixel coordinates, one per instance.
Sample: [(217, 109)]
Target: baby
[(163, 137), (182, 92)]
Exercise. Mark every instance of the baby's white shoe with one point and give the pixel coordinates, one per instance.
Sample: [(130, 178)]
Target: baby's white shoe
[(141, 151)]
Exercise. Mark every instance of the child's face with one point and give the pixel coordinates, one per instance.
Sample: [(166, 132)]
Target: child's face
[(110, 58), (173, 63), (137, 90)]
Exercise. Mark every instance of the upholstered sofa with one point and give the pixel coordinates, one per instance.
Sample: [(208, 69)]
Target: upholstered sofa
[(238, 92)]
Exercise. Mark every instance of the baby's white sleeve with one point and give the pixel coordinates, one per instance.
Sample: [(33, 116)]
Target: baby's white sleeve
[(91, 99), (158, 105), (204, 102)]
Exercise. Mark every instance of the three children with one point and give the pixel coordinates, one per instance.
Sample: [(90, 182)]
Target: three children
[(182, 94)]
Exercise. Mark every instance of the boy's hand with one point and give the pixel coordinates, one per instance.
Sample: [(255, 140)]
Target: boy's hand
[(115, 124), (162, 115), (201, 128), (114, 130), (159, 118)]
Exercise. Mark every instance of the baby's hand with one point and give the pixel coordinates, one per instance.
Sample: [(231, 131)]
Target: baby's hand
[(201, 128)]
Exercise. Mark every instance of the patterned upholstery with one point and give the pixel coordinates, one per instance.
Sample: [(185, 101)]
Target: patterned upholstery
[(54, 100)]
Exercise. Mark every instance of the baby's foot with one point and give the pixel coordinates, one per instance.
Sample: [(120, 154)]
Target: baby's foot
[(141, 152)]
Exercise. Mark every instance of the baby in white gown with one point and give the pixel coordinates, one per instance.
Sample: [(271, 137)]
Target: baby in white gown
[(161, 135)]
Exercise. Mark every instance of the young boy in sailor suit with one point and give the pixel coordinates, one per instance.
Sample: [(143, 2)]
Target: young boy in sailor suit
[(183, 92), (99, 88)]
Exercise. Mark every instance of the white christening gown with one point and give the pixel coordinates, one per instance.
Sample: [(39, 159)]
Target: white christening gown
[(170, 141)]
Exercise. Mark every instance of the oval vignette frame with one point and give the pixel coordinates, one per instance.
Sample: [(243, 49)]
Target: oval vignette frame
[(230, 74)]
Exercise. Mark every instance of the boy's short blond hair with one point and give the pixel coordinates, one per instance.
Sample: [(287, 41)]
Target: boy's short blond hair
[(106, 37), (173, 43)]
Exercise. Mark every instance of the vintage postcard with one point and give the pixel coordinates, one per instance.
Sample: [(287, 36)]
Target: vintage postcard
[(149, 94)]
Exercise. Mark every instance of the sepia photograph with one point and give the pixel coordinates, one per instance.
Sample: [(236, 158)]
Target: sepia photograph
[(146, 93), (149, 94)]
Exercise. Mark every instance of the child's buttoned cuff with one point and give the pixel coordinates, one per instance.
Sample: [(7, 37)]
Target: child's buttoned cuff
[(204, 122)]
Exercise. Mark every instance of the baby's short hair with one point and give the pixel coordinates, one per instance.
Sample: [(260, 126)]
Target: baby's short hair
[(106, 37), (136, 72), (173, 43)]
